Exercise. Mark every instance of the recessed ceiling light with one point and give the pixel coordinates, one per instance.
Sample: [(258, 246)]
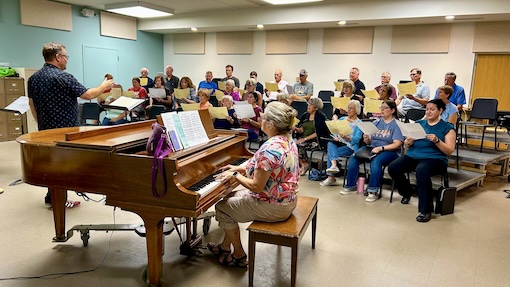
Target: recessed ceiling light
[(194, 29), (342, 22), (450, 17), (139, 9), (260, 26), (284, 2)]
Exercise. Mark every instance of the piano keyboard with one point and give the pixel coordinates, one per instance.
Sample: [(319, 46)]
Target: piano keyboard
[(208, 184)]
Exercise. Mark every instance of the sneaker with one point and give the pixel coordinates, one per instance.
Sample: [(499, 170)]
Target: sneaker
[(371, 197), (328, 181), (333, 170), (349, 190)]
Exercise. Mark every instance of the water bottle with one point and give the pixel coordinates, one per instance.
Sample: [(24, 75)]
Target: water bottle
[(361, 184)]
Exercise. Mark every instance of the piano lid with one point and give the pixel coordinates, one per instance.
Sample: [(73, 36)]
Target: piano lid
[(111, 138)]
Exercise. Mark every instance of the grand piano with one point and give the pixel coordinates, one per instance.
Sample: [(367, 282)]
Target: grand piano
[(83, 159)]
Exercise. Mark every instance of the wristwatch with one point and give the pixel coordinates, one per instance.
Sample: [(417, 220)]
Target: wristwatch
[(437, 140), (234, 174)]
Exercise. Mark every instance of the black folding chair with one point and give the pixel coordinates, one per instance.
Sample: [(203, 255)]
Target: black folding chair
[(300, 107), (414, 114), (156, 110), (483, 109), (325, 96), (327, 109), (90, 111)]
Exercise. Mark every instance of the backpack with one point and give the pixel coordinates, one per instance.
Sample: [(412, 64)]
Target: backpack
[(158, 145), (7, 72), (316, 175)]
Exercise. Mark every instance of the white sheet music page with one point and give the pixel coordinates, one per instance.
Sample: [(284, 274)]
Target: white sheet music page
[(171, 130), (193, 129), (244, 111), (126, 102), (412, 130), (367, 127), (19, 105)]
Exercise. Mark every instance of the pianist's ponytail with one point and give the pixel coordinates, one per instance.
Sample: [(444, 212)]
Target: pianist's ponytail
[(281, 115)]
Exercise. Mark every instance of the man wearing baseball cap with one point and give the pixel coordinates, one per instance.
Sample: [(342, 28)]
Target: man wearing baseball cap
[(303, 90)]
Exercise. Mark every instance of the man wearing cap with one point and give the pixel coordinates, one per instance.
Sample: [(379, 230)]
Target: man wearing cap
[(303, 90)]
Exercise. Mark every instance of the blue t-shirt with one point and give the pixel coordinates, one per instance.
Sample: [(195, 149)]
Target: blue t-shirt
[(424, 148), (388, 132), (448, 111)]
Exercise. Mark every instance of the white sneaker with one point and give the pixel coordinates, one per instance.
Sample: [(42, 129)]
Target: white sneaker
[(333, 170), (371, 197), (349, 190), (328, 181)]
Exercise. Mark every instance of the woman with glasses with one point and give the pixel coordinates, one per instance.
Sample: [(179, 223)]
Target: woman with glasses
[(427, 156), (270, 179), (385, 143), (252, 124), (343, 144), (231, 120), (230, 90), (348, 91), (250, 88), (310, 130), (385, 91)]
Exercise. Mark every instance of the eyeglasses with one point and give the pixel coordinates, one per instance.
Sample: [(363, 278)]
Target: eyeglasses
[(65, 56), (384, 107), (412, 75)]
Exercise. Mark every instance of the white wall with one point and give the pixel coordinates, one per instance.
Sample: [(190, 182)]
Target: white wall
[(324, 69)]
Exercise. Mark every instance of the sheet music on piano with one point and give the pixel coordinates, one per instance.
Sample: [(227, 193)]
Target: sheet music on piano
[(185, 129)]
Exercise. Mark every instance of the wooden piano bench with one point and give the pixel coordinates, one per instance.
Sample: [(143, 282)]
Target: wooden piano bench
[(284, 233)]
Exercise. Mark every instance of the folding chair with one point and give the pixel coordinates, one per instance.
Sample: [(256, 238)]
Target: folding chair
[(325, 96), (90, 111), (483, 109), (300, 106), (156, 110), (414, 114)]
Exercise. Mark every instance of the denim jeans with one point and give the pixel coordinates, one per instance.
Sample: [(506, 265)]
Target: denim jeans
[(425, 168), (334, 151), (376, 170)]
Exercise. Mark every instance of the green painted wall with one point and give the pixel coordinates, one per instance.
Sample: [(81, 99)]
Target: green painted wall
[(21, 45)]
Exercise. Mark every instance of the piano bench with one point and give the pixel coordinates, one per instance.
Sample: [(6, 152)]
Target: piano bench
[(284, 233)]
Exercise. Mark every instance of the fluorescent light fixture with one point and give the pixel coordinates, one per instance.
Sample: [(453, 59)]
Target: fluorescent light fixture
[(343, 22), (194, 29), (450, 17), (139, 9), (260, 26), (284, 2)]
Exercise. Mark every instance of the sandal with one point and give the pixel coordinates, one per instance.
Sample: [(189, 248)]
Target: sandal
[(230, 261), (216, 249)]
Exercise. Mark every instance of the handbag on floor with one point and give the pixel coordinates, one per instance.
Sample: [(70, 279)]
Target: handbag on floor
[(365, 153), (445, 200)]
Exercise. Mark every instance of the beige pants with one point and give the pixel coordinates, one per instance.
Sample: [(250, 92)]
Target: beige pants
[(240, 206)]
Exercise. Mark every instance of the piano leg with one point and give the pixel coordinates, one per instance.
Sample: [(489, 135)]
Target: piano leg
[(58, 201), (154, 240)]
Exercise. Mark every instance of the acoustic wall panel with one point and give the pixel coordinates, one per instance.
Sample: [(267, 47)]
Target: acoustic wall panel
[(46, 14), (240, 43), (357, 40), (118, 26), (189, 43), (492, 37), (415, 39), (286, 42)]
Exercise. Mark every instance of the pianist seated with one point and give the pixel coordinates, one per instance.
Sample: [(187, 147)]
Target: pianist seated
[(270, 181), (230, 121)]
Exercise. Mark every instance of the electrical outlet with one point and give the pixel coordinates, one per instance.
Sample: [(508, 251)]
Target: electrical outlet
[(5, 64)]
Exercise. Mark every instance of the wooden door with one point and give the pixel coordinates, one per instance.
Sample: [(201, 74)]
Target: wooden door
[(491, 79)]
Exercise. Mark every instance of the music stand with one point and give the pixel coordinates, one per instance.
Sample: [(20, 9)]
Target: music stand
[(21, 106)]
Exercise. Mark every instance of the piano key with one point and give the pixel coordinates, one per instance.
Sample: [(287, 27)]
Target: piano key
[(208, 184)]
